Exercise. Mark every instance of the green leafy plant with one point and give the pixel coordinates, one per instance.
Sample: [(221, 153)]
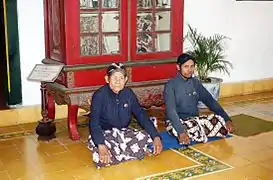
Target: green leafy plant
[(209, 53)]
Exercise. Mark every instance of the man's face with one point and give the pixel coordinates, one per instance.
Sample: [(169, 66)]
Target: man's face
[(187, 69), (116, 81)]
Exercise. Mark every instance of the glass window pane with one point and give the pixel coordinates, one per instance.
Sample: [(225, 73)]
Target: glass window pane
[(144, 22), (144, 43), (163, 42), (163, 3), (89, 45), (163, 20), (89, 4), (89, 23), (110, 3), (145, 3), (110, 22), (110, 44)]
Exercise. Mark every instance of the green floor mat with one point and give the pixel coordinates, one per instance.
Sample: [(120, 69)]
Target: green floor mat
[(245, 125)]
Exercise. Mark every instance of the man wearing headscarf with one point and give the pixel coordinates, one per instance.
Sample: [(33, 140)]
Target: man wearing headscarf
[(182, 94)]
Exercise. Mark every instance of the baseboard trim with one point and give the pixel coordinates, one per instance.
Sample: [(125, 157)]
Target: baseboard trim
[(30, 114), (246, 87)]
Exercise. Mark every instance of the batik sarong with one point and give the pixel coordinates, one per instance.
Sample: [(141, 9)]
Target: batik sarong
[(124, 145), (200, 128)]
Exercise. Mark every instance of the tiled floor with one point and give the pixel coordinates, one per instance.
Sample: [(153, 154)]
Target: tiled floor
[(23, 157)]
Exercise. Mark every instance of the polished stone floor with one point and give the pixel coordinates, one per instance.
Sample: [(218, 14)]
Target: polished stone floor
[(23, 157)]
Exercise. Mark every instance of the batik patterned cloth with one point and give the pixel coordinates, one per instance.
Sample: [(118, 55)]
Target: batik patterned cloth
[(200, 128), (124, 145)]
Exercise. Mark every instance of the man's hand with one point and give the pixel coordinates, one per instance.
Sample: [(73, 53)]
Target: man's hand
[(104, 154), (157, 146), (229, 126), (184, 138)]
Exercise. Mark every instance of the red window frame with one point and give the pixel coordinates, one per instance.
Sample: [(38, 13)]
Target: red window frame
[(72, 13), (176, 33)]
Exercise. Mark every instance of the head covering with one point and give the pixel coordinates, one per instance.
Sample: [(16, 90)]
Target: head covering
[(184, 58), (116, 67)]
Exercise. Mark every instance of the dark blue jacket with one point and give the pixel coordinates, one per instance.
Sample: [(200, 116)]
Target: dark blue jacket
[(110, 110), (181, 99)]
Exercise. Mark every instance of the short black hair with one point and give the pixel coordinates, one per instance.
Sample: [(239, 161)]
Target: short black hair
[(184, 58)]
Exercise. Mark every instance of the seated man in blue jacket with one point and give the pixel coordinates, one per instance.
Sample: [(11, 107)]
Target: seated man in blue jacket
[(112, 106), (181, 95)]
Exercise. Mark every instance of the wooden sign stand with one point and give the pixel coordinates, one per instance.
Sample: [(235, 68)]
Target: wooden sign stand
[(44, 74)]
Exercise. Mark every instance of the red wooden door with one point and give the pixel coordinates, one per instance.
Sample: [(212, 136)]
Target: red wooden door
[(96, 32), (156, 33)]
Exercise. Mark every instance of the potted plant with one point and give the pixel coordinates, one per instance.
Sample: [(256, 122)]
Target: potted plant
[(209, 53)]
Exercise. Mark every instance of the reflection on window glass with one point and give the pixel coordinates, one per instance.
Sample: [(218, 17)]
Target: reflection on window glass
[(144, 43), (110, 44), (163, 42), (110, 22), (110, 3), (89, 45), (162, 20), (144, 22), (153, 26), (89, 4), (89, 23), (145, 3), (163, 3)]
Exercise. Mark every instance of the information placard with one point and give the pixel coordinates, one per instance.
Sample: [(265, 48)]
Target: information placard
[(45, 72)]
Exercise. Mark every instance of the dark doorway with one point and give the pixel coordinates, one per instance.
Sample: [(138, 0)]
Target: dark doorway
[(3, 63), (10, 72)]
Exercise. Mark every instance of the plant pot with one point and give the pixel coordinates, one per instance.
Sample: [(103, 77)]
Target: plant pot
[(214, 89)]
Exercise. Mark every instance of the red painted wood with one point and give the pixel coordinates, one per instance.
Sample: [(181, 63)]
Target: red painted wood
[(46, 29), (177, 26), (100, 27), (50, 106), (89, 78), (70, 30), (72, 122), (157, 72), (52, 8), (62, 30), (61, 78), (71, 20)]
